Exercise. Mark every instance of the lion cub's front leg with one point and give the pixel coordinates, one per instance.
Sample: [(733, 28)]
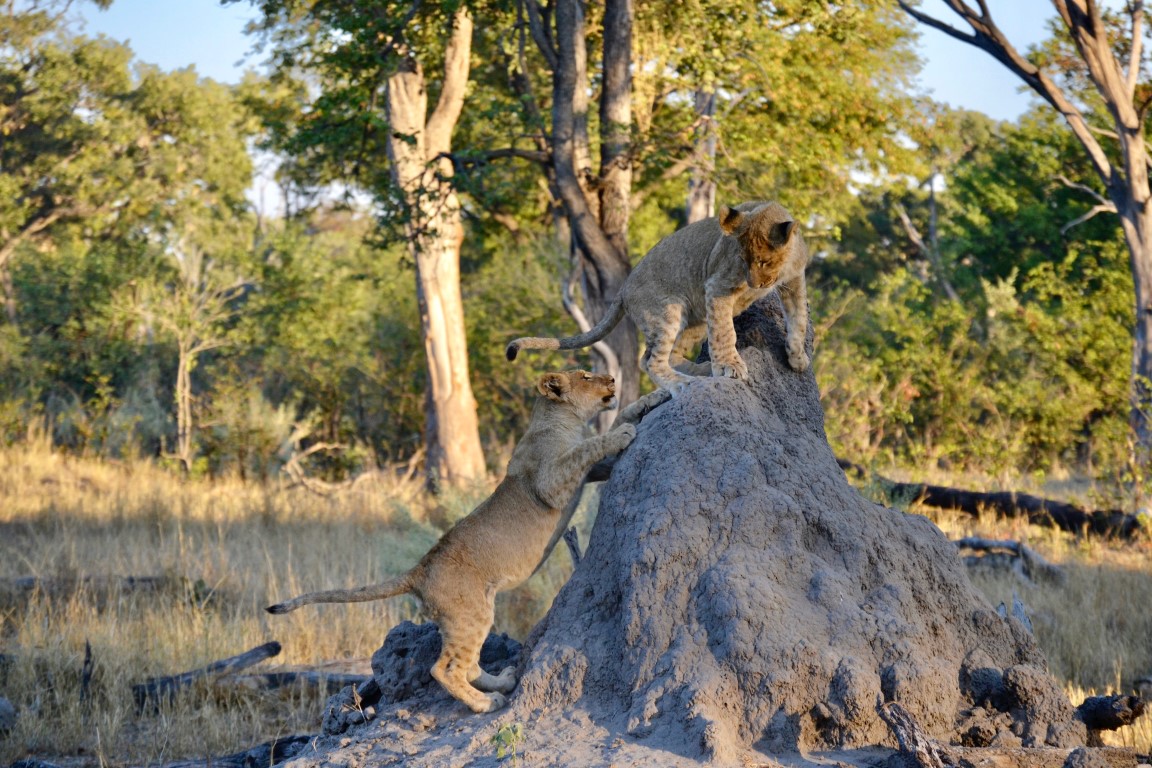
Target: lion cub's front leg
[(794, 297), (566, 472), (726, 361)]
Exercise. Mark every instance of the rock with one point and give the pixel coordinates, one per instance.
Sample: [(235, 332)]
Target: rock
[(402, 667), (8, 716)]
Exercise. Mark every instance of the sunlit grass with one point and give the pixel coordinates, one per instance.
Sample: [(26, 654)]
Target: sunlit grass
[(1095, 627), (223, 550)]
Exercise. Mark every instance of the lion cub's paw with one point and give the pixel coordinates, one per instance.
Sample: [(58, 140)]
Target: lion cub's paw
[(625, 434), (495, 701), (731, 369), (506, 680), (798, 359)]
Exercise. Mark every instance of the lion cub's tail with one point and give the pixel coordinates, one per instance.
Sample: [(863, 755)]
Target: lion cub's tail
[(385, 589), (600, 330)]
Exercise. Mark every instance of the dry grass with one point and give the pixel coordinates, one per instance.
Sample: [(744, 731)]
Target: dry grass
[(1095, 629), (226, 549)]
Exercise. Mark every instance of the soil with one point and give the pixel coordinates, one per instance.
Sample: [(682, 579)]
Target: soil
[(739, 604)]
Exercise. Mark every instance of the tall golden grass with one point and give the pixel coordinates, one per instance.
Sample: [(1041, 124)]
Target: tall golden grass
[(226, 549)]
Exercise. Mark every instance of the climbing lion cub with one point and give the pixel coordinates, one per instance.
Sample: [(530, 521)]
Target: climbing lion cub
[(695, 281), (499, 544)]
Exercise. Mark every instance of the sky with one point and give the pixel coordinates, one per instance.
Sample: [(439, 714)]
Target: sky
[(177, 33)]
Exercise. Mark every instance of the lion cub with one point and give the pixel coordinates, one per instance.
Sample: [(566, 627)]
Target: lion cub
[(498, 545), (695, 281)]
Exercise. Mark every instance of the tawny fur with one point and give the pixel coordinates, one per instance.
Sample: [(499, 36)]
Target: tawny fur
[(499, 544), (695, 281)]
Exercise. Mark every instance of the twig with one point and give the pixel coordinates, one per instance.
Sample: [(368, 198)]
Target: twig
[(916, 747), (572, 539)]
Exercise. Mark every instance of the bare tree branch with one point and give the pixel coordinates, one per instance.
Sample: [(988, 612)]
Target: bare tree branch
[(1104, 205), (928, 252), (1085, 189), (988, 37), (611, 362), (1136, 9), (540, 34)]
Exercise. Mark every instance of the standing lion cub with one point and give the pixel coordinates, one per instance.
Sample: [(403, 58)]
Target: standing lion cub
[(695, 281), (499, 544)]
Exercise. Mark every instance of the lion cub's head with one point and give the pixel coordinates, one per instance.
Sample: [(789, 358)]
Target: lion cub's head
[(589, 393), (765, 235)]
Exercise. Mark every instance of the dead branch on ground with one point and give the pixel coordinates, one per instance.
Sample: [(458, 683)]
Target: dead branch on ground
[(1015, 556), (155, 690), (1038, 511)]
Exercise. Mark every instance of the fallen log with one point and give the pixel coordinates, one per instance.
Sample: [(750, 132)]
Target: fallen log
[(1017, 556), (267, 754), (1038, 511), (66, 585), (155, 690), (327, 683)]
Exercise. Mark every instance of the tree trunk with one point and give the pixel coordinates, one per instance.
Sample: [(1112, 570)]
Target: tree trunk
[(1137, 226), (416, 145), (598, 217), (185, 361), (701, 186)]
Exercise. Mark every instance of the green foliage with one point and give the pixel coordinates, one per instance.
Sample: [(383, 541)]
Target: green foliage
[(507, 739), (126, 246), (1037, 378)]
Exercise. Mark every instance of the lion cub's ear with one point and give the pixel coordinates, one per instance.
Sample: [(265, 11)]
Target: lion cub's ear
[(553, 386), (730, 218), (780, 233)]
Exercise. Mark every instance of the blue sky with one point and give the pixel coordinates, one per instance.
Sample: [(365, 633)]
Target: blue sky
[(176, 33)]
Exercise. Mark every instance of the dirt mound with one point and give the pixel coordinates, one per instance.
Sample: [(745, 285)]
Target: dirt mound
[(739, 601)]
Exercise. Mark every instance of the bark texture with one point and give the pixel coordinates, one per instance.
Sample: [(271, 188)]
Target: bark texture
[(739, 600)]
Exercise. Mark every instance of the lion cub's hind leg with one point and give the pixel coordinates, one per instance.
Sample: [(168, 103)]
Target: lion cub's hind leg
[(685, 343), (662, 331), (501, 683), (463, 628)]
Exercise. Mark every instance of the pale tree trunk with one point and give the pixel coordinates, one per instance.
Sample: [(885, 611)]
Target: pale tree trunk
[(597, 212), (701, 186), (183, 395), (416, 147), (1126, 182)]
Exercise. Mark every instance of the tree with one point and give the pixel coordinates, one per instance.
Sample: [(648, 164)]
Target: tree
[(368, 63), (194, 310), (418, 148), (756, 104), (1029, 368), (104, 168), (1119, 95), (597, 208)]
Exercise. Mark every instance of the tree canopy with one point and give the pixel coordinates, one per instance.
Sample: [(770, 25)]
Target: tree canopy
[(969, 310)]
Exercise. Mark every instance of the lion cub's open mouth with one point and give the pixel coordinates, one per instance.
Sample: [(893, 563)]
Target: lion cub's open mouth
[(609, 401)]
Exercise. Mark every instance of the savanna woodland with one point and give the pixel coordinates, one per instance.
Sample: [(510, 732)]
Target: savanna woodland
[(205, 406)]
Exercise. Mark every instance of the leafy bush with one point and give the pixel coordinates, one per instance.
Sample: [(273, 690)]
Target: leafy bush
[(1033, 374)]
